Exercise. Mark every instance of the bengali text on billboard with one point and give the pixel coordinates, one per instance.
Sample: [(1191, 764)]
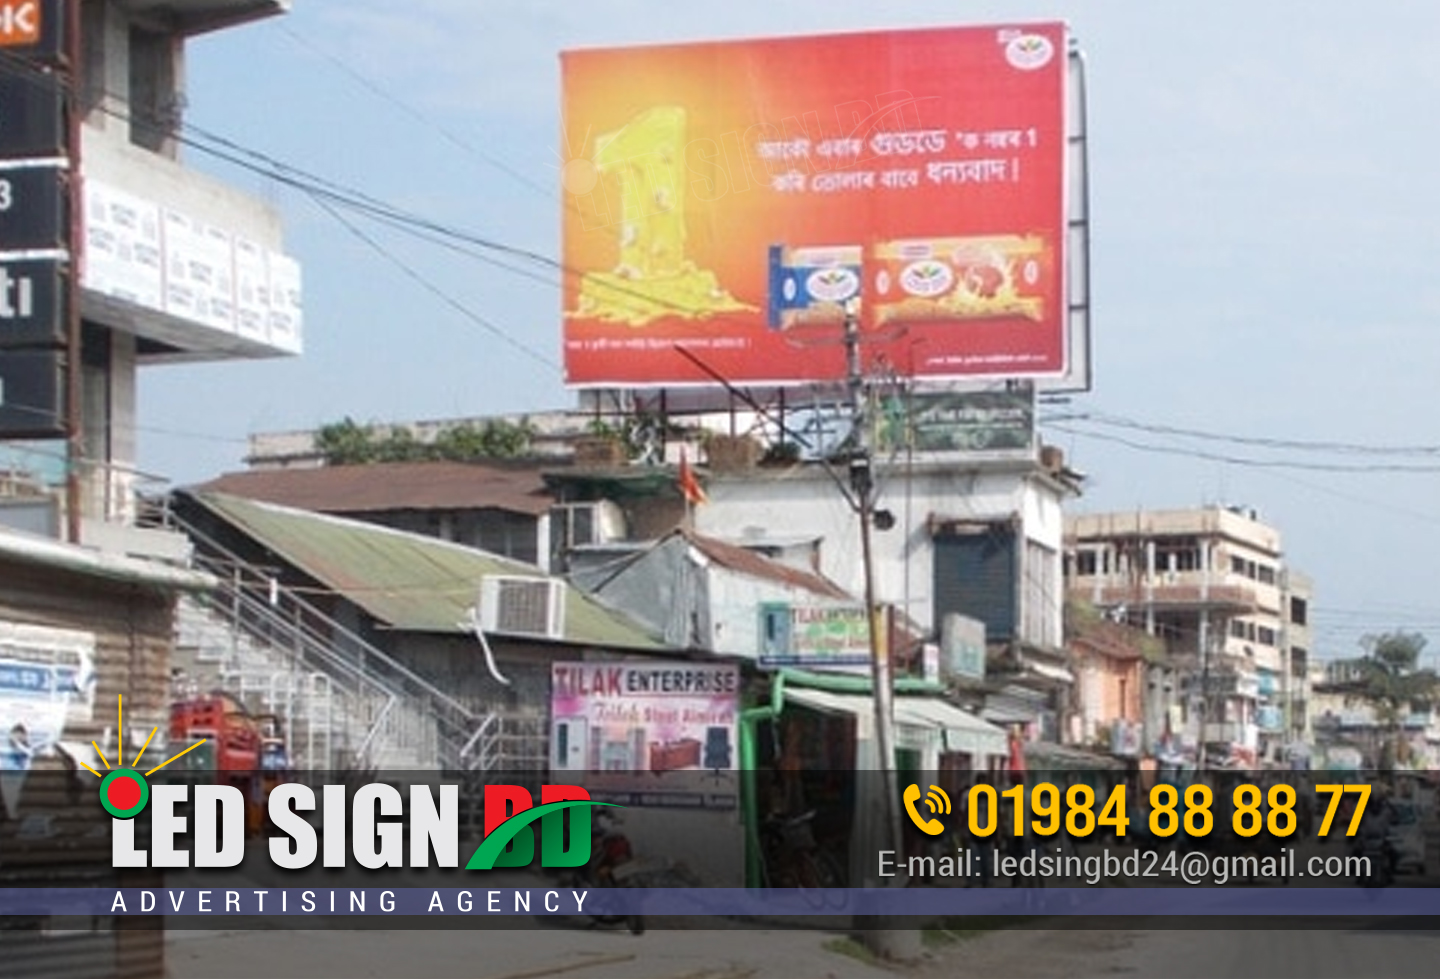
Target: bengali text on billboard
[(734, 199)]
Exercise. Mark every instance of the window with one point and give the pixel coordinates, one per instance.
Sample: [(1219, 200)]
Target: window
[(1299, 611), (1237, 629), (1265, 636), (1266, 574), (1177, 554), (1237, 565), (1086, 564)]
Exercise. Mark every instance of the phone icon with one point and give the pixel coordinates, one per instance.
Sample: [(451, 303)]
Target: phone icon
[(935, 800)]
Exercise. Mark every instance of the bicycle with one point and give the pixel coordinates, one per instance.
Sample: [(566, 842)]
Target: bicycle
[(794, 860)]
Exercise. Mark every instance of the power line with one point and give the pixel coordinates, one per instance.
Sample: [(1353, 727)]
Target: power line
[(434, 290), (1116, 421), (377, 90), (1250, 461)]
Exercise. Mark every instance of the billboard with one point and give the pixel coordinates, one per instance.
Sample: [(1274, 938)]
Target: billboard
[(737, 199), (651, 733)]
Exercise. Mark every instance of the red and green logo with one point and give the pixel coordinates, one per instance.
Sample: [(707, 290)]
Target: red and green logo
[(510, 837), (124, 793)]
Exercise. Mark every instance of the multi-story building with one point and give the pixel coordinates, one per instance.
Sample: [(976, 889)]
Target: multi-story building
[(174, 265), (1214, 584)]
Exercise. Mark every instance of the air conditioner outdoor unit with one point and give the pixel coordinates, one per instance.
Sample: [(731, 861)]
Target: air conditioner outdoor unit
[(522, 606)]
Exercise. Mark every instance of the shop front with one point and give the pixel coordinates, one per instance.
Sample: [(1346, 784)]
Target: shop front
[(812, 749)]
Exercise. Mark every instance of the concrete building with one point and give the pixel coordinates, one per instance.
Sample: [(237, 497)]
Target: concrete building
[(973, 533), (175, 266), (1214, 584)]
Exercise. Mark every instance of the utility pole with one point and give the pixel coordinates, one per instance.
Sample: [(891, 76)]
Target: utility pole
[(883, 939), (862, 483)]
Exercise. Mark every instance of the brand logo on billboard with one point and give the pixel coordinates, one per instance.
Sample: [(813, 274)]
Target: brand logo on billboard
[(19, 23), (833, 285), (927, 278), (1029, 51)]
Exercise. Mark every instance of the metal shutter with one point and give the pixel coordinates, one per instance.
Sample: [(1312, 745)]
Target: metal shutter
[(975, 576)]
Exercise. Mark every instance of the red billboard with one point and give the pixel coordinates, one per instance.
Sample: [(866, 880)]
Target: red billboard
[(737, 199)]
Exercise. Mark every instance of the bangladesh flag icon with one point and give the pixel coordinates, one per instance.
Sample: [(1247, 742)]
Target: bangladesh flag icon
[(124, 793)]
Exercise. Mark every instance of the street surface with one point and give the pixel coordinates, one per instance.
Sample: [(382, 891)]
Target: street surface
[(569, 948), (571, 953)]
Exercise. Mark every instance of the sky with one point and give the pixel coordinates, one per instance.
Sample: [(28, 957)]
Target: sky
[(1264, 207)]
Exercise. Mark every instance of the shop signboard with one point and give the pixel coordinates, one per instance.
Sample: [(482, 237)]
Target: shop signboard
[(31, 105), (648, 734), (813, 636), (32, 29), (32, 206), (32, 386), (32, 303), (996, 423)]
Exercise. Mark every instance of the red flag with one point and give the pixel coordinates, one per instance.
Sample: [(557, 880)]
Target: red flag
[(690, 487)]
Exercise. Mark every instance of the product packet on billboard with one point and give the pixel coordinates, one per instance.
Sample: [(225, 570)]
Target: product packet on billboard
[(812, 285), (960, 278)]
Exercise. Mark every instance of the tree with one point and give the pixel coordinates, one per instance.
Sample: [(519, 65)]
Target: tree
[(345, 443), (1391, 679)]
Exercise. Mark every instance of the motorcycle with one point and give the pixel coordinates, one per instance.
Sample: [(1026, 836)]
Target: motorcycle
[(611, 857)]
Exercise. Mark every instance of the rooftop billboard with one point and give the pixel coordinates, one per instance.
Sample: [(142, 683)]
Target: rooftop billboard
[(733, 199)]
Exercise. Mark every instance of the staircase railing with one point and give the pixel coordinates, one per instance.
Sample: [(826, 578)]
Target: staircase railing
[(408, 713)]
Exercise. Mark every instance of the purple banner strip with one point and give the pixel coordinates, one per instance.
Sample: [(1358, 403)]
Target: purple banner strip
[(722, 902)]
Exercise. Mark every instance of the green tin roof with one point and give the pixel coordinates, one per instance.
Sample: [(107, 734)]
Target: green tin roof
[(407, 581)]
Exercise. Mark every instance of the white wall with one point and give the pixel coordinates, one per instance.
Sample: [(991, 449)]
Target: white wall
[(806, 502), (735, 601)]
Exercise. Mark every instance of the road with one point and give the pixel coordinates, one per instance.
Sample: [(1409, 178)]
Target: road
[(568, 953), (1391, 954), (570, 950)]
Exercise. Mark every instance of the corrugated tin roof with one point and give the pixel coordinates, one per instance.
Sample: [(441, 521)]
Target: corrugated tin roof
[(406, 581), (392, 486), (747, 562), (30, 549)]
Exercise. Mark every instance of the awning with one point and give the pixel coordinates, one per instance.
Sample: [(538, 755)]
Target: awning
[(919, 721)]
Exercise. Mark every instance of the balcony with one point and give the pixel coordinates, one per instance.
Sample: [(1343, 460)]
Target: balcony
[(191, 266), (191, 17), (1177, 591)]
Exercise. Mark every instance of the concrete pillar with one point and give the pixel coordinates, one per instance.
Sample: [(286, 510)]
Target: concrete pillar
[(124, 415)]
